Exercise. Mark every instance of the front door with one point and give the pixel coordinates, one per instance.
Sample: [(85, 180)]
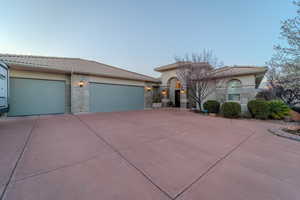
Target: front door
[(177, 98)]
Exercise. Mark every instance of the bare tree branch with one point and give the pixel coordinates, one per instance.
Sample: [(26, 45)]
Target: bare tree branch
[(196, 73), (284, 66)]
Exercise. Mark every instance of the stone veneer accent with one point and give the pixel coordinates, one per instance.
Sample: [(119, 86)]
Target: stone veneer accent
[(68, 95), (165, 101), (80, 96), (148, 97), (184, 99)]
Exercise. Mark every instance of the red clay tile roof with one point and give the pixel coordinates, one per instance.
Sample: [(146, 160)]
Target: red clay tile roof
[(223, 71), (239, 70), (72, 65)]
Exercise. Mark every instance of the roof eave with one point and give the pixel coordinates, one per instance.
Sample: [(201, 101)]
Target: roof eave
[(241, 74), (158, 69)]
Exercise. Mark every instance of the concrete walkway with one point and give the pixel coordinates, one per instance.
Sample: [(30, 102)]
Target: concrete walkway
[(145, 155)]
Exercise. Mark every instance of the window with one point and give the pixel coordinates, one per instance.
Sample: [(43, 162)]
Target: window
[(234, 84), (233, 90), (234, 97)]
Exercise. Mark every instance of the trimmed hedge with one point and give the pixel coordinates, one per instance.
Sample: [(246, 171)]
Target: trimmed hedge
[(231, 109), (212, 106), (278, 109), (251, 105), (259, 109)]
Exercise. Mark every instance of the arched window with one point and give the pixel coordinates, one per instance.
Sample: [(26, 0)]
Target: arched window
[(234, 83), (233, 90)]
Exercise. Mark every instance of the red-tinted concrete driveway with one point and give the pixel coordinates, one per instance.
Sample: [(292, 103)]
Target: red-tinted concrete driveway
[(145, 155)]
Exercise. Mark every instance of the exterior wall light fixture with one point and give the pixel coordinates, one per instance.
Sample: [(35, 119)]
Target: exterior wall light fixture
[(81, 83), (164, 92), (148, 89)]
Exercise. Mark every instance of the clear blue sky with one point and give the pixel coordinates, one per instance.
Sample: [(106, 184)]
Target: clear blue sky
[(142, 34)]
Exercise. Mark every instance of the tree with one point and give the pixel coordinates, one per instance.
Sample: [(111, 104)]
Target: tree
[(288, 57), (284, 67), (288, 89), (206, 56), (197, 74), (266, 94)]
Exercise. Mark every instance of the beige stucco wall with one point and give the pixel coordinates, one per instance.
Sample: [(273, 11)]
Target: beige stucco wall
[(46, 76), (166, 75), (98, 79), (39, 75), (66, 77), (247, 91), (248, 81)]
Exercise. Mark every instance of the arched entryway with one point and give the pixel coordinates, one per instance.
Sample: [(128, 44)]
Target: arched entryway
[(174, 91)]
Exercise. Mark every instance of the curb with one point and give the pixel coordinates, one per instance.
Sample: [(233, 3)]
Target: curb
[(279, 132)]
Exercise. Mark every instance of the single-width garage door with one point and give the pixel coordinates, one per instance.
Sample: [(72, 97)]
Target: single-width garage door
[(35, 97), (109, 97)]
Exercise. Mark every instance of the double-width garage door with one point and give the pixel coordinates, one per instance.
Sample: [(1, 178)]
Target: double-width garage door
[(109, 97), (36, 97)]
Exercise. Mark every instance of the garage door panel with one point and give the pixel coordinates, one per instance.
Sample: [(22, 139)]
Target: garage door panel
[(34, 97), (109, 98)]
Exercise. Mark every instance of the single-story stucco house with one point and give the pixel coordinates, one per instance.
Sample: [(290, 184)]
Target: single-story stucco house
[(54, 85)]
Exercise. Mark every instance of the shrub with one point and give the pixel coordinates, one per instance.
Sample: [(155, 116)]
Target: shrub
[(212, 106), (231, 109), (278, 109), (259, 109), (250, 105)]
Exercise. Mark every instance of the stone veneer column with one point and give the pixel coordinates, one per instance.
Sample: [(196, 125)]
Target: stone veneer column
[(80, 95), (164, 97), (165, 101), (183, 99), (68, 95), (148, 96)]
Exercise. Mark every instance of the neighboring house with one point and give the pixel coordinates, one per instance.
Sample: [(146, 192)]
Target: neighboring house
[(54, 85), (237, 83)]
